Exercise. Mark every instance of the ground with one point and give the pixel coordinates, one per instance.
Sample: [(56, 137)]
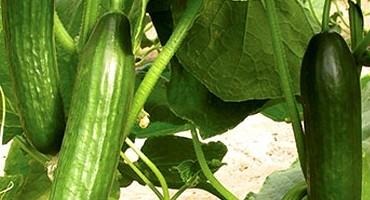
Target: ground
[(256, 147)]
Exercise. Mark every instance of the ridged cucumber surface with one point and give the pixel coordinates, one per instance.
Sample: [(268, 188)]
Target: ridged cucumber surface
[(100, 104), (29, 39)]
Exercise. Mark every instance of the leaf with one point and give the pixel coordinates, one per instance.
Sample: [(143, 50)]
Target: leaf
[(162, 120), (175, 158), (366, 170), (278, 183), (10, 186), (277, 110), (5, 81), (136, 16), (317, 6), (158, 5), (365, 102), (70, 13), (67, 67), (190, 100), (229, 48), (35, 183), (12, 125), (162, 21)]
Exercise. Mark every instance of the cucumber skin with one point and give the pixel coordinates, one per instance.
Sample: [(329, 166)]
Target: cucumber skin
[(331, 96), (100, 104), (29, 39)]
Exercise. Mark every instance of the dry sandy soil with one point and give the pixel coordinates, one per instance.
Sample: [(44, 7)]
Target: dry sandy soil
[(256, 147)]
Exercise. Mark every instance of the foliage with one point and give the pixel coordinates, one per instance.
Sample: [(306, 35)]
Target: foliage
[(223, 72)]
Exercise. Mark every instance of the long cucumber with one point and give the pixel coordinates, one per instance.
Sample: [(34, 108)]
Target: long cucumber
[(29, 39), (100, 104)]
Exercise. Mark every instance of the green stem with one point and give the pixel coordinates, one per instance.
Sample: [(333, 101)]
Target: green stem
[(285, 80), (89, 17), (205, 169), (3, 106), (326, 16), (141, 175), (187, 185), (160, 63), (63, 36), (151, 165), (39, 157), (362, 46), (116, 5), (313, 11)]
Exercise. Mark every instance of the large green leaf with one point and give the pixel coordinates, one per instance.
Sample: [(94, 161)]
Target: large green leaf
[(188, 98), (175, 158), (229, 48), (192, 101)]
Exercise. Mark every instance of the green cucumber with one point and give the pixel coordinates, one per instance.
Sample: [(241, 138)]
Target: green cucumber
[(100, 104), (330, 90), (29, 39)]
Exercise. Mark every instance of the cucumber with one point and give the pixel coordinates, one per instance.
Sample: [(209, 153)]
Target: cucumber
[(330, 91), (100, 104), (29, 40)]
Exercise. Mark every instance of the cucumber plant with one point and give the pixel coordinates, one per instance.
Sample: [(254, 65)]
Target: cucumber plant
[(81, 79)]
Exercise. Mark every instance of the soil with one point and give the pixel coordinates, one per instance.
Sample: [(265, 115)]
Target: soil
[(256, 147)]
